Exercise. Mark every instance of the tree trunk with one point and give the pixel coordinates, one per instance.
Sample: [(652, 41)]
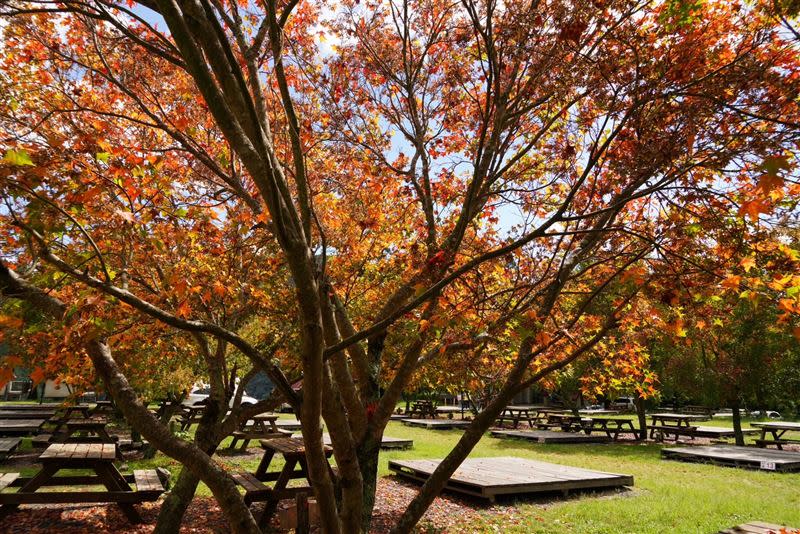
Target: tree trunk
[(472, 434), (737, 423), (639, 403), (368, 462)]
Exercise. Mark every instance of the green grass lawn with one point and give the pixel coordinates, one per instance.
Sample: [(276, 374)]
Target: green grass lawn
[(668, 496)]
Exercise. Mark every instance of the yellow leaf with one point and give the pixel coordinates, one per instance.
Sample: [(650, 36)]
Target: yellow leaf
[(748, 263)]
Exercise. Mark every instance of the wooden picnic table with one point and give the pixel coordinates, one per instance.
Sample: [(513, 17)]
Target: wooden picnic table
[(294, 454), (674, 423), (257, 427), (103, 407), (423, 408), (96, 457), (48, 407), (21, 426), (611, 426), (515, 414), (567, 422), (191, 415), (777, 429)]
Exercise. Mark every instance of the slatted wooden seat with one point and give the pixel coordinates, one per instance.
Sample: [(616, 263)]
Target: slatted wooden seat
[(669, 430), (8, 446), (6, 479), (147, 482), (254, 489)]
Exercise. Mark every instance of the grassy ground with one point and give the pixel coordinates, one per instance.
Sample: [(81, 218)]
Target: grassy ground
[(668, 496)]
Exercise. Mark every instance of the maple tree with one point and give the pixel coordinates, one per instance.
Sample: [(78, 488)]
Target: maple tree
[(383, 187)]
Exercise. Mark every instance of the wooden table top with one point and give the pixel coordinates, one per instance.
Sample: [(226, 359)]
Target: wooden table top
[(288, 446), (79, 451), (778, 425), (17, 423), (678, 416), (86, 423)]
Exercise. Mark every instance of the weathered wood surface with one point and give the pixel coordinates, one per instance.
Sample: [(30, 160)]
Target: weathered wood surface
[(48, 407), (387, 442), (720, 432), (8, 445), (439, 424), (778, 425), (749, 457), (288, 424), (26, 414), (758, 527), (20, 426), (548, 436), (491, 477)]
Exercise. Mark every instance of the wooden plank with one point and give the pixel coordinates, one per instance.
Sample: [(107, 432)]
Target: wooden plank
[(147, 480), (490, 477), (548, 436), (6, 479), (757, 527), (7, 445), (437, 424), (749, 457)]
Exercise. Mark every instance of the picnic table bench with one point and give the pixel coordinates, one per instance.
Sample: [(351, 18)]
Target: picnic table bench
[(515, 414), (565, 421), (675, 424), (97, 457), (26, 414), (294, 455), (257, 427), (8, 446), (778, 429), (423, 408), (21, 426)]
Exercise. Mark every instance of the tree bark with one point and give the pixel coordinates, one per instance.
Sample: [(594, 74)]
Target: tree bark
[(737, 423), (640, 413)]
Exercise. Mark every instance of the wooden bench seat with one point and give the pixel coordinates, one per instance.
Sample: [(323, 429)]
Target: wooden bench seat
[(667, 430), (6, 479), (8, 446), (148, 481), (254, 489)]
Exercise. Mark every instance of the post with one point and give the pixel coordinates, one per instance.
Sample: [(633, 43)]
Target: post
[(301, 503)]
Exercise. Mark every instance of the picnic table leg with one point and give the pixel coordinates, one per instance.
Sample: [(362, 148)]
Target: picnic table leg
[(245, 443), (233, 443), (264, 464), (113, 481), (272, 502), (38, 480)]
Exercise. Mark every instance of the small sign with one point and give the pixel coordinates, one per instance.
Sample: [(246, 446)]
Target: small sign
[(768, 466)]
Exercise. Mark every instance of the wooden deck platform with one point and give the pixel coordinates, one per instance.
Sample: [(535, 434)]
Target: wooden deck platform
[(757, 527), (719, 432), (749, 457), (548, 436), (489, 478), (438, 424)]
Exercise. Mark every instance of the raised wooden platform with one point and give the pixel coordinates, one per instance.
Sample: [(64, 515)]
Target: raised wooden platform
[(719, 432), (748, 457), (438, 424), (757, 527), (489, 478), (548, 436)]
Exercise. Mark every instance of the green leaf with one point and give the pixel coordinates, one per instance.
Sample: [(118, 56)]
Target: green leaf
[(103, 156), (181, 212), (17, 157)]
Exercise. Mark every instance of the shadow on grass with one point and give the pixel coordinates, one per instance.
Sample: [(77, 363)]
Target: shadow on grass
[(631, 449)]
